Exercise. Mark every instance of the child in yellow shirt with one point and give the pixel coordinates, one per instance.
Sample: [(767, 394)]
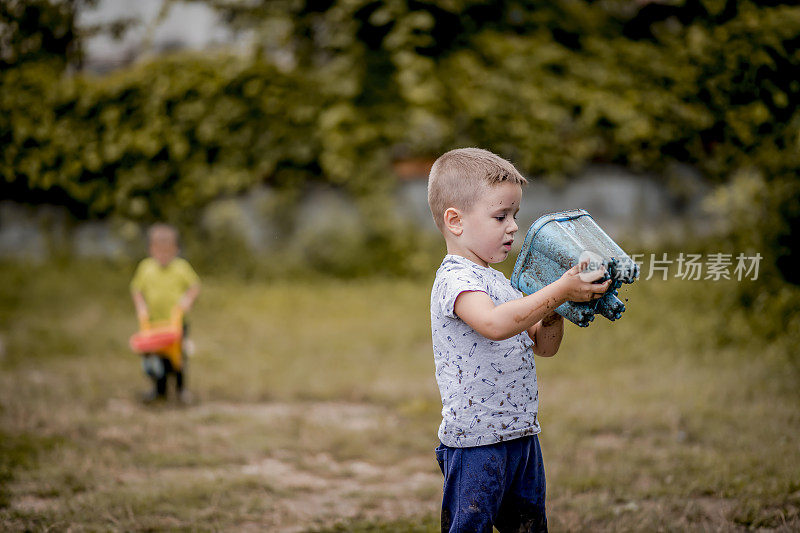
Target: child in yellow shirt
[(163, 284)]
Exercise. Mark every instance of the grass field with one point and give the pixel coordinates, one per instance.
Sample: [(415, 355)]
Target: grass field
[(318, 412)]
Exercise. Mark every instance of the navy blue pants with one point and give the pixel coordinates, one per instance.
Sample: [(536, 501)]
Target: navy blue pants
[(500, 485)]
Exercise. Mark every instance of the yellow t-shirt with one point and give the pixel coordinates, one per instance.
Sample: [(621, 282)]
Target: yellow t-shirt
[(163, 287)]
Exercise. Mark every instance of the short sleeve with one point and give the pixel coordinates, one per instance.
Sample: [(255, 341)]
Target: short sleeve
[(454, 281), (137, 282), (188, 274)]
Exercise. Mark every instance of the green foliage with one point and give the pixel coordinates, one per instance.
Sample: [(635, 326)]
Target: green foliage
[(36, 30), (334, 90), (158, 139), (758, 213)]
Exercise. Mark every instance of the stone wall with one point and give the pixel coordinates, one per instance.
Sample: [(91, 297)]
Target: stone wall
[(632, 208)]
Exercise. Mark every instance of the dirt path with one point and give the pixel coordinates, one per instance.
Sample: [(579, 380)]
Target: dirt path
[(250, 466)]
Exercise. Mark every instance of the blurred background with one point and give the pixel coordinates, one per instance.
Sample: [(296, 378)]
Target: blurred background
[(290, 142)]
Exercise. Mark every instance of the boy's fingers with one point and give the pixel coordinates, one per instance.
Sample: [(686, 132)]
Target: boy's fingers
[(602, 288), (593, 275), (597, 290)]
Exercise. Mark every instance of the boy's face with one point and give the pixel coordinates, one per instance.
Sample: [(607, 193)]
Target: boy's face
[(163, 249), (488, 228)]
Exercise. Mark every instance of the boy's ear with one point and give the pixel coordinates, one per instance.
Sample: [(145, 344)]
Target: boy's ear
[(453, 222)]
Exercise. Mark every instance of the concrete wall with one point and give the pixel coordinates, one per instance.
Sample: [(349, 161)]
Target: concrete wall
[(639, 208), (630, 208), (184, 25)]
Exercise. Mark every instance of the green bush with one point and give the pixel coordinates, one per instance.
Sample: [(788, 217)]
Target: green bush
[(551, 85), (159, 139)]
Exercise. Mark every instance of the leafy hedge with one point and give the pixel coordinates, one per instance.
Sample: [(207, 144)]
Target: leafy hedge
[(160, 138), (551, 85)]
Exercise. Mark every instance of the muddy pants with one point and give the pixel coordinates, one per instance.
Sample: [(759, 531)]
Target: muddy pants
[(500, 485)]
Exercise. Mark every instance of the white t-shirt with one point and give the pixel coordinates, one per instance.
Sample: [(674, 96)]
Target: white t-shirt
[(488, 388)]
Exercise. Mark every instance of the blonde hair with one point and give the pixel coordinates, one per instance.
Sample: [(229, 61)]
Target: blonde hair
[(459, 176), (161, 231)]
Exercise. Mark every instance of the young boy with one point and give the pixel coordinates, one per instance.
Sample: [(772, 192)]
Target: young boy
[(162, 284), (485, 334)]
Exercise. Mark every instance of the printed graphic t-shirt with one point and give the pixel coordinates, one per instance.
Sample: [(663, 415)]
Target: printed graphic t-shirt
[(488, 388)]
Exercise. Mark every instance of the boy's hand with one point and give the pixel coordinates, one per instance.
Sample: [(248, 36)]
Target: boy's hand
[(184, 305), (188, 298), (577, 290)]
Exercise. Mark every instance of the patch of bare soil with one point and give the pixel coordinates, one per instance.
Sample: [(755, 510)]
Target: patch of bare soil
[(306, 490)]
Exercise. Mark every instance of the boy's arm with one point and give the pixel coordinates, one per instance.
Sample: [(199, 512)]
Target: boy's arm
[(187, 300), (547, 335), (141, 306), (515, 316)]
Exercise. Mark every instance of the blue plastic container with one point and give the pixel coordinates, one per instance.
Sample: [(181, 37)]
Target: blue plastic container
[(554, 244)]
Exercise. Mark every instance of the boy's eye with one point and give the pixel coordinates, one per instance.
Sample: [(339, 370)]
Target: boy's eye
[(500, 218)]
